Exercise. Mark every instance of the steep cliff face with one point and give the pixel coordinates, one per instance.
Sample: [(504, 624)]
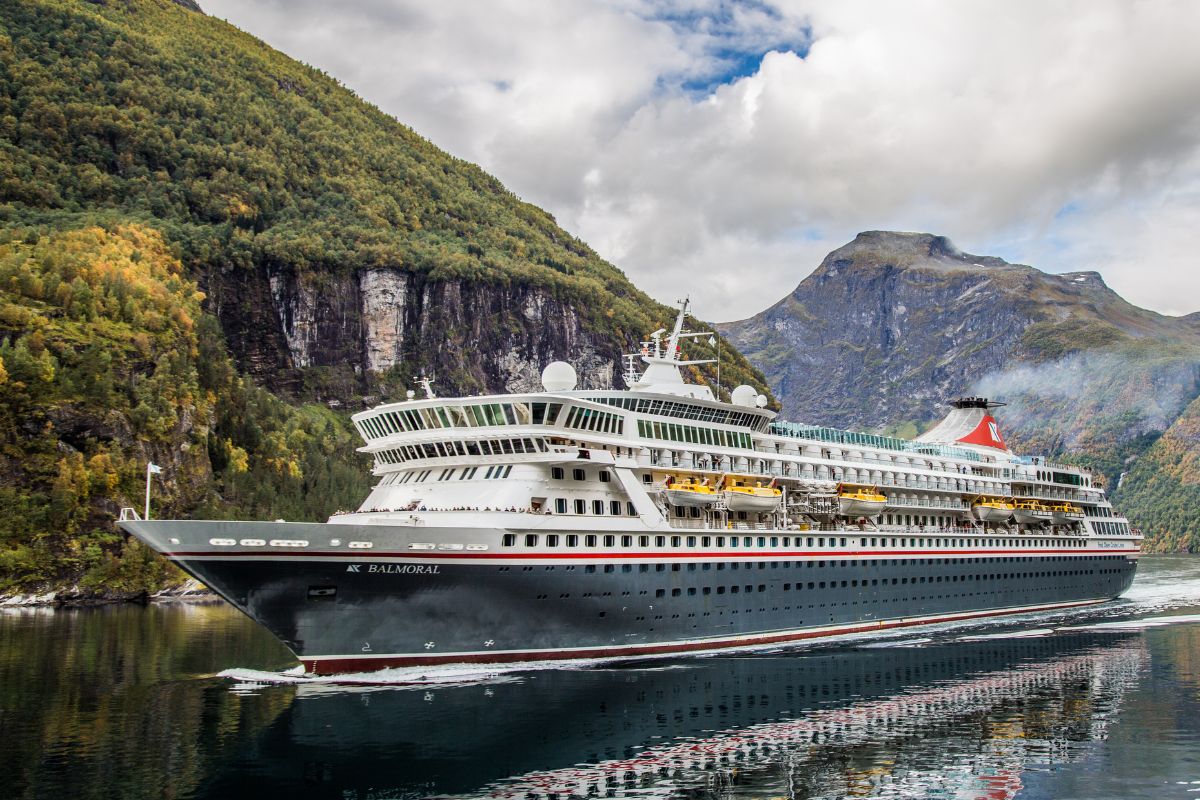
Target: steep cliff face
[(893, 324), (471, 337)]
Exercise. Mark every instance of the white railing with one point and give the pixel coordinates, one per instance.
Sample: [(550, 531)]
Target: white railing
[(956, 505)]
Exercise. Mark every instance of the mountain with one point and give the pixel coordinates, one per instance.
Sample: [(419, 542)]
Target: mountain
[(211, 254), (891, 325)]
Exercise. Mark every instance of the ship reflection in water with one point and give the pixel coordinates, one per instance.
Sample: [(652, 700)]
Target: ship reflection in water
[(954, 719)]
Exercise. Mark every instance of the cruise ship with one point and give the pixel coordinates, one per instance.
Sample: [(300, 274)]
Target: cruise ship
[(601, 524)]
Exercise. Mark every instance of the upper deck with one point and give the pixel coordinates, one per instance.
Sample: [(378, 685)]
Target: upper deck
[(663, 423)]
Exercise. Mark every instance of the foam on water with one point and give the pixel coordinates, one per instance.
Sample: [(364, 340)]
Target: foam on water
[(401, 677), (1144, 623), (1018, 634), (899, 643)]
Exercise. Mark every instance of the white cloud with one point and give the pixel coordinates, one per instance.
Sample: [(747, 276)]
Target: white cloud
[(977, 120)]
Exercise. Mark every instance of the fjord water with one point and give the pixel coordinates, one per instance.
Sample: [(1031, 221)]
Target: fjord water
[(124, 702)]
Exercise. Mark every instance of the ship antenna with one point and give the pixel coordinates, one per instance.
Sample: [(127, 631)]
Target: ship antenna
[(632, 375), (673, 349)]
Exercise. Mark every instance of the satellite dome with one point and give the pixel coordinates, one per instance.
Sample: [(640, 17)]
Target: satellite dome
[(761, 401), (743, 395), (559, 376)]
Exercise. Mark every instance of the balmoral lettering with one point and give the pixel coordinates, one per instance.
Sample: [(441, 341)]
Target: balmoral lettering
[(405, 569)]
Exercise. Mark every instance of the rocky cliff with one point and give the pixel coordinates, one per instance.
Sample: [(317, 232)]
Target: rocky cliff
[(892, 324), (472, 336)]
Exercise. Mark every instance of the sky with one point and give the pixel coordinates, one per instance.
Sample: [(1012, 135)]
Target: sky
[(722, 149)]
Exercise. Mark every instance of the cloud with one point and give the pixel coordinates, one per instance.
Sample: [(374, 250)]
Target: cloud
[(723, 148)]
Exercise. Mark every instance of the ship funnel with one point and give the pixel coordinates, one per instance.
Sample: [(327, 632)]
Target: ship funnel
[(970, 422)]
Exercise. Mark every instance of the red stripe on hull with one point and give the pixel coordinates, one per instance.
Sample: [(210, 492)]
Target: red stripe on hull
[(336, 665)]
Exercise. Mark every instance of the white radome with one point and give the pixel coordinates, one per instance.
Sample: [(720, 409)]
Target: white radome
[(559, 376), (743, 396)]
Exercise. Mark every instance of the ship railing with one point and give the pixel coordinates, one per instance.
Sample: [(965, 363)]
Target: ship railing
[(129, 514), (707, 524), (948, 504), (1043, 494), (1040, 461), (691, 524)]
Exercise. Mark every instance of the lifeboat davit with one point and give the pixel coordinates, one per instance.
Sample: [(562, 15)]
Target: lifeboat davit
[(992, 509), (1065, 513), (1031, 512), (741, 496), (690, 493), (860, 501)]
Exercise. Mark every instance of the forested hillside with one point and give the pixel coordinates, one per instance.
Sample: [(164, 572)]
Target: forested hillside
[(212, 254), (109, 363)]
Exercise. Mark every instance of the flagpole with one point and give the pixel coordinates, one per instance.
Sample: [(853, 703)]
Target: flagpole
[(151, 469)]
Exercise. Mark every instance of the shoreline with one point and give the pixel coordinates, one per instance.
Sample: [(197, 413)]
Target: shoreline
[(190, 591)]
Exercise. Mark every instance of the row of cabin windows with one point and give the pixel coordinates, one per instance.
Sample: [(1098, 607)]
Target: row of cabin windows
[(482, 415), (917, 519), (680, 410), (483, 447), (865, 582), (834, 564), (627, 540), (579, 474), (1112, 528), (590, 419), (670, 431), (1098, 511), (1064, 478), (838, 436), (579, 506), (495, 472)]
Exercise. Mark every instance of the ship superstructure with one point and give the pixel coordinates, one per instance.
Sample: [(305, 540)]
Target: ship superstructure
[(611, 523)]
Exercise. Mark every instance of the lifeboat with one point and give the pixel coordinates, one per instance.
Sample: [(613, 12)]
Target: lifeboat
[(690, 493), (1031, 512), (741, 496), (991, 509), (1065, 513), (860, 501)]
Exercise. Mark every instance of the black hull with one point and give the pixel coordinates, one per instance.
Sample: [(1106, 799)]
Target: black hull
[(350, 613)]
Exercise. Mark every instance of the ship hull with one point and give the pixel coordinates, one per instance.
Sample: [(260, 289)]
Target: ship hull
[(389, 606)]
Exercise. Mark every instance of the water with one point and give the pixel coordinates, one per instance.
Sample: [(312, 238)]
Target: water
[(127, 702)]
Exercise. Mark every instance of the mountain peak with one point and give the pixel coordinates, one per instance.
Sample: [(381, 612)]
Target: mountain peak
[(906, 250), (928, 243)]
